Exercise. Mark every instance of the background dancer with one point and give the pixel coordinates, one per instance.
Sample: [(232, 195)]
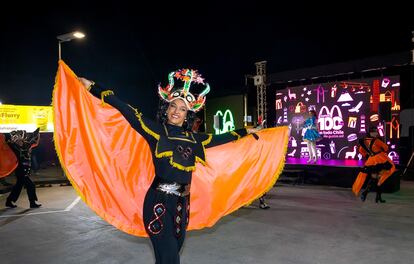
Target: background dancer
[(22, 143), (378, 166), (311, 136)]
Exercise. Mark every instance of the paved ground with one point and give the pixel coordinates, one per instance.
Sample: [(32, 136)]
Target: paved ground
[(306, 224), (45, 176)]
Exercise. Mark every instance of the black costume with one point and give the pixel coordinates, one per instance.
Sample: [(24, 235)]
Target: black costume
[(174, 152), (22, 143)]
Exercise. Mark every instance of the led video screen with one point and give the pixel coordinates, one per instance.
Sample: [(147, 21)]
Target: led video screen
[(345, 111)]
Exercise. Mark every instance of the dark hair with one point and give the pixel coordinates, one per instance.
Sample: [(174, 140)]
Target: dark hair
[(371, 129), (163, 119), (313, 112)]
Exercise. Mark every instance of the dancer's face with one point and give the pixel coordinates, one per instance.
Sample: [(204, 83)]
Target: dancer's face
[(373, 133), (177, 112)]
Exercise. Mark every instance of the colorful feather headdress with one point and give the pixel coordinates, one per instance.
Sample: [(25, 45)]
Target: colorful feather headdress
[(187, 76)]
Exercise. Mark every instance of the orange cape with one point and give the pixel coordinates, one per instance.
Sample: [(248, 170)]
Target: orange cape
[(385, 174), (8, 160), (110, 164)]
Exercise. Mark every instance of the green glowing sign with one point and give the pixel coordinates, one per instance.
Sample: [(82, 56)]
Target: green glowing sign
[(226, 120)]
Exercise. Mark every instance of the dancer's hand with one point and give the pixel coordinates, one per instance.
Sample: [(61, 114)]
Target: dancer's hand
[(86, 83), (253, 130)]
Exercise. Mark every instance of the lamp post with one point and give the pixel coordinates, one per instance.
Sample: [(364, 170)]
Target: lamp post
[(68, 37)]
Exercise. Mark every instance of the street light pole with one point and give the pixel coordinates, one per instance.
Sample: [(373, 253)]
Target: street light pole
[(68, 37)]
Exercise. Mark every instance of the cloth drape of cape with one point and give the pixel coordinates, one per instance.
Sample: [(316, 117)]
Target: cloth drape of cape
[(110, 164), (385, 174), (8, 160)]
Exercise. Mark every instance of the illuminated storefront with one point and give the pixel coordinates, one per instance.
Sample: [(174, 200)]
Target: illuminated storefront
[(25, 117)]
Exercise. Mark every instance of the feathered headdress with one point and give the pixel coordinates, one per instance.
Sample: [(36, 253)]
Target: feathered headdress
[(187, 76)]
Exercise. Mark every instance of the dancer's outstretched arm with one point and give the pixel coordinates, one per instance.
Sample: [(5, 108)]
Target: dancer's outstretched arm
[(147, 128), (210, 140)]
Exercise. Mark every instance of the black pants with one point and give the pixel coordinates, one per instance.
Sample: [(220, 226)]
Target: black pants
[(166, 218), (23, 180)]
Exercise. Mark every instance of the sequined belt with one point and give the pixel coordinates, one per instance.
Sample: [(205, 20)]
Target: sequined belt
[(174, 188)]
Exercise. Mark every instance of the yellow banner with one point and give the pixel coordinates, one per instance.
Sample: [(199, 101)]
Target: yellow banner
[(25, 117)]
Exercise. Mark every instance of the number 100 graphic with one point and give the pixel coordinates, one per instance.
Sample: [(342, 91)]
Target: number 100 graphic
[(345, 111)]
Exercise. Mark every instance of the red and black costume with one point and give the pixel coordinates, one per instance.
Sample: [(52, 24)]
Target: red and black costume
[(377, 163), (22, 143)]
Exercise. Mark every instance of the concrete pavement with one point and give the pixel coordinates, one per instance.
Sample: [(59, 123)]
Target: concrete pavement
[(43, 177), (305, 224)]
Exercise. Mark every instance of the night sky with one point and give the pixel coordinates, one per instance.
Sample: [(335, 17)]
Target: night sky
[(132, 49)]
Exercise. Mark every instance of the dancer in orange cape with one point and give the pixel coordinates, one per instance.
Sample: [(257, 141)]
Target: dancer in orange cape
[(378, 166), (142, 176)]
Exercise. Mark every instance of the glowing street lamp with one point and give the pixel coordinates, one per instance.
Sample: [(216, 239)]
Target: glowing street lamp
[(68, 37)]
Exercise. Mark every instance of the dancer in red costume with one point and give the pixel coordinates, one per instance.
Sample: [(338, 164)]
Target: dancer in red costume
[(21, 144), (378, 166)]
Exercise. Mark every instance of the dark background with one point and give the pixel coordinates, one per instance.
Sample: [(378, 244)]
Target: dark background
[(132, 46)]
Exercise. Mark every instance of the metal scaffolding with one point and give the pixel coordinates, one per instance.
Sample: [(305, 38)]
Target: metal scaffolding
[(260, 83)]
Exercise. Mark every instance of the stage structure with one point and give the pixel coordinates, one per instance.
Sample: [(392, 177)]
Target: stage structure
[(345, 111), (260, 83)]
